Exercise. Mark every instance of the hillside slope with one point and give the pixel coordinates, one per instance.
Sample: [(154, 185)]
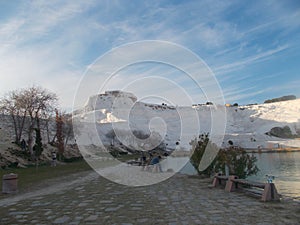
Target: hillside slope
[(246, 126)]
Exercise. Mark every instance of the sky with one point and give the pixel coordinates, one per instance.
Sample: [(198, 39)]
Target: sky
[(251, 47)]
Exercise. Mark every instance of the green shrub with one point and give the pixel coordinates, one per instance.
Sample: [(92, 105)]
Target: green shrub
[(239, 162), (38, 147), (199, 145)]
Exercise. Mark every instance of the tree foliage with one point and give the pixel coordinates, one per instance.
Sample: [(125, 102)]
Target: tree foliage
[(199, 145), (283, 98), (13, 104), (59, 134), (38, 146), (240, 163)]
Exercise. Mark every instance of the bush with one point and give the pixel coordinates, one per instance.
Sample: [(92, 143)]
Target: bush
[(239, 162), (199, 145), (281, 132), (280, 99)]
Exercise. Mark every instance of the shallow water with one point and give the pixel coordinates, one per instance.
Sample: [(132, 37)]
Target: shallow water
[(286, 169)]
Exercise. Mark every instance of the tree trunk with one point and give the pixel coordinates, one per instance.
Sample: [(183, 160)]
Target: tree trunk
[(21, 126), (37, 121), (47, 130), (30, 138), (66, 141), (15, 128), (53, 139)]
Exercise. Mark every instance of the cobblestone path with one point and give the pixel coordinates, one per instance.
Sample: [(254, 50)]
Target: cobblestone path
[(91, 199)]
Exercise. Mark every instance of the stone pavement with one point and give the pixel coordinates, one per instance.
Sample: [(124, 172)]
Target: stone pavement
[(91, 199)]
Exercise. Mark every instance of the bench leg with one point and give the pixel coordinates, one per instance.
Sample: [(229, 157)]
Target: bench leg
[(270, 193), (215, 182), (230, 185)]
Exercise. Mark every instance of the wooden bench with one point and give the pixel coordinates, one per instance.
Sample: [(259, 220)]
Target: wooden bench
[(268, 193)]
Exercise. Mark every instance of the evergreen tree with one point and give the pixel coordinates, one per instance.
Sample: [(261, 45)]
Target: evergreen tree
[(59, 134), (38, 146)]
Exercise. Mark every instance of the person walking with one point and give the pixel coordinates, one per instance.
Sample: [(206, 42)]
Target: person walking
[(23, 145)]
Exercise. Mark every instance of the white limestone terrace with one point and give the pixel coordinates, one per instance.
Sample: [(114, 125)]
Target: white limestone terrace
[(245, 125)]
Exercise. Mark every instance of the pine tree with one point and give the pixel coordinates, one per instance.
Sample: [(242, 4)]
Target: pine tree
[(38, 146)]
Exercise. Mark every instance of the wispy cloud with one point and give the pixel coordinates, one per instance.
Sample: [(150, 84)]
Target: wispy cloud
[(249, 60), (29, 55), (53, 42)]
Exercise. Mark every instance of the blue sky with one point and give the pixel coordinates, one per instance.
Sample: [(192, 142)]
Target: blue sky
[(252, 47)]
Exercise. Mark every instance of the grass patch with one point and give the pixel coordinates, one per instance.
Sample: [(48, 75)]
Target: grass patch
[(29, 177)]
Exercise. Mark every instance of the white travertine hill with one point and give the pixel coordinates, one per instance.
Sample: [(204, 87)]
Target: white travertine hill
[(245, 125)]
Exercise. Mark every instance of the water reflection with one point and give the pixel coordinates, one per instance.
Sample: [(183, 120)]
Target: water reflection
[(286, 169)]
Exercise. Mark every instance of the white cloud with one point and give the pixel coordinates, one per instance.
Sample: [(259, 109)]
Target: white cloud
[(51, 41), (28, 59)]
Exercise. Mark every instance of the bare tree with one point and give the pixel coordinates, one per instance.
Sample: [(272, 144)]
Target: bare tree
[(67, 128), (47, 121), (13, 104), (39, 102), (111, 135), (64, 125), (32, 104)]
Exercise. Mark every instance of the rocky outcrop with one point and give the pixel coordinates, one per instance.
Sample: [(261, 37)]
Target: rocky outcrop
[(281, 132)]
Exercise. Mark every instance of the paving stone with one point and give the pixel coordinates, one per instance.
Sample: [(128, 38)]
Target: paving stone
[(74, 223), (92, 218), (142, 220), (106, 201), (175, 201), (136, 208), (50, 217), (19, 213), (111, 209), (61, 220), (83, 204), (48, 213)]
